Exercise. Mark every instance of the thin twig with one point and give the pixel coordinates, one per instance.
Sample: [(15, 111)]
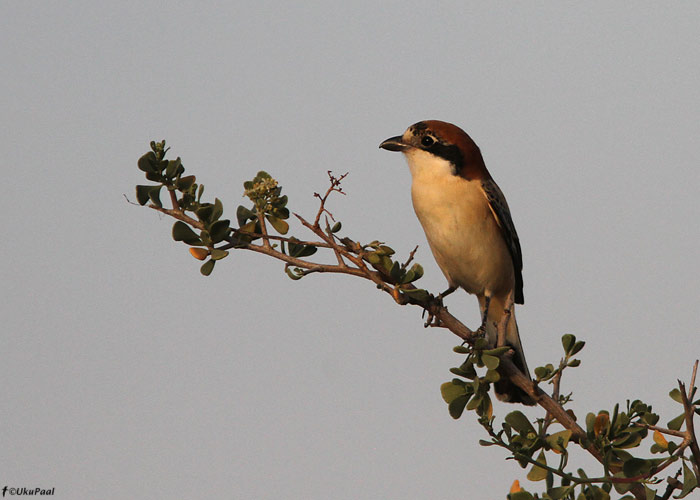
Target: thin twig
[(663, 430), (336, 251), (693, 389), (673, 484), (319, 244), (334, 187), (263, 227), (179, 215), (556, 382), (410, 258), (173, 199)]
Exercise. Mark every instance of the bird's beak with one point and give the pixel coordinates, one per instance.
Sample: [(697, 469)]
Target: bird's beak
[(394, 144)]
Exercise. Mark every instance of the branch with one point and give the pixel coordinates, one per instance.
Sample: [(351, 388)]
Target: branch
[(689, 409), (355, 259)]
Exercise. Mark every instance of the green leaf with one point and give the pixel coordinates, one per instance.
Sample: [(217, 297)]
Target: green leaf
[(296, 250), (468, 370), (676, 396), (336, 227), (590, 422), (677, 422), (385, 263), (559, 492), (627, 440), (218, 209), (172, 169), (183, 232), (154, 196), (385, 250), (520, 495), (219, 230), (395, 272), (690, 482), (243, 214), (460, 349), (577, 347), (184, 183), (635, 466), (280, 213), (408, 277), (280, 225), (542, 372), (497, 351), (206, 239), (672, 447), (307, 251), (456, 407), (292, 274), (492, 376), (567, 341), (622, 455), (518, 421), (207, 267), (217, 254), (621, 487), (474, 403), (417, 270), (280, 202), (451, 391), (650, 418), (481, 344), (491, 362), (597, 493), (204, 213), (574, 363), (538, 473), (142, 194), (147, 163), (373, 258), (559, 440), (650, 494), (417, 294)]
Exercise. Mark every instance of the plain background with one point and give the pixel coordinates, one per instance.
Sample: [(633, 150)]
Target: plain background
[(126, 374)]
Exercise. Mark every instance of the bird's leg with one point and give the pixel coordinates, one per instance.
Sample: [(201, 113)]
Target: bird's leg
[(485, 316), (446, 293), (503, 324)]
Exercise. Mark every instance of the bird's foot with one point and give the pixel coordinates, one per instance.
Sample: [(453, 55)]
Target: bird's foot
[(432, 320)]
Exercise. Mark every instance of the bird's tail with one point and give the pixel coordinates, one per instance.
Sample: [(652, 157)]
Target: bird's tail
[(504, 388)]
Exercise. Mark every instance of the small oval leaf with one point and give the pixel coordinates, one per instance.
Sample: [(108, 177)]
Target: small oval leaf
[(207, 267)]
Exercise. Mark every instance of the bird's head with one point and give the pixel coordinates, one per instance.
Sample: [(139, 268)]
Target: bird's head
[(434, 147)]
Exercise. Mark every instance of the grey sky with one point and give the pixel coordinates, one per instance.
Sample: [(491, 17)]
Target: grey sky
[(126, 374)]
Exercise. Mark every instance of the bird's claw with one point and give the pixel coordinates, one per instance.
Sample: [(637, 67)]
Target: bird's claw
[(432, 320)]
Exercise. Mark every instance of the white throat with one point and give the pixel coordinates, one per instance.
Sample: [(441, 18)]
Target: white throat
[(426, 166)]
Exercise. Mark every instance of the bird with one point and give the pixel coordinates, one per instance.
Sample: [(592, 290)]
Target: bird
[(469, 229)]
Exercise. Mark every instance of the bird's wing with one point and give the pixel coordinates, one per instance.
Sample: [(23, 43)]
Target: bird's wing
[(501, 212)]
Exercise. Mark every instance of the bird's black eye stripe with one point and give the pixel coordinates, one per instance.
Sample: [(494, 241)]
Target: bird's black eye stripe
[(427, 141), (450, 153)]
